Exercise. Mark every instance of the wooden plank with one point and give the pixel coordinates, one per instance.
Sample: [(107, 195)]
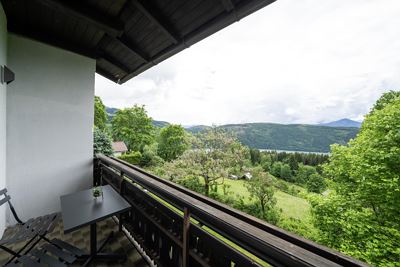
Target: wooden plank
[(185, 245), (87, 14), (157, 19), (106, 74), (114, 62), (133, 48)]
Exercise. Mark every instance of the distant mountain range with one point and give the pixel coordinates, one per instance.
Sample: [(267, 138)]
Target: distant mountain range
[(293, 137), (342, 123)]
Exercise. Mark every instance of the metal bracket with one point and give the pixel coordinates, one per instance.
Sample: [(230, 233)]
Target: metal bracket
[(6, 74)]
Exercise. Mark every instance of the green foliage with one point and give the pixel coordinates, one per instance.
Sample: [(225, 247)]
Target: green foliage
[(134, 157), (215, 153), (385, 99), (316, 183), (292, 161), (260, 187), (361, 217), (100, 114), (134, 127), (192, 183), (266, 162), (297, 226), (255, 156), (349, 227), (102, 143), (271, 215), (281, 170), (172, 142), (286, 173), (287, 137), (150, 157), (312, 159), (276, 169), (304, 172)]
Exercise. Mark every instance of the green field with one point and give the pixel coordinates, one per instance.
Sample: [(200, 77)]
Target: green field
[(291, 206)]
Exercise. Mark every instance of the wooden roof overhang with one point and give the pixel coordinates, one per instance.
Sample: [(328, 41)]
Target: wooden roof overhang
[(126, 37)]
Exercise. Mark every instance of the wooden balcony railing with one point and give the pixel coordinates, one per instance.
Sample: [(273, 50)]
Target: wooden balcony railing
[(178, 227)]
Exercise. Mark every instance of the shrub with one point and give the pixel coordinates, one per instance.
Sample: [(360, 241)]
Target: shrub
[(316, 183), (133, 157), (101, 143)]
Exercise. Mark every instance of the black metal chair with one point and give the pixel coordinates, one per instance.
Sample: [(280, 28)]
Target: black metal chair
[(57, 253), (33, 230)]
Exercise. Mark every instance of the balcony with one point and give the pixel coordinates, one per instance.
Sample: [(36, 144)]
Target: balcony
[(169, 225), (46, 121)]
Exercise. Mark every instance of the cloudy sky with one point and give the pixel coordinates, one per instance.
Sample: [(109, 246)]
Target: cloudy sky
[(294, 61)]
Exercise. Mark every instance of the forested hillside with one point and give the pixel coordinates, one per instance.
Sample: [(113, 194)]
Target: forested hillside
[(297, 137)]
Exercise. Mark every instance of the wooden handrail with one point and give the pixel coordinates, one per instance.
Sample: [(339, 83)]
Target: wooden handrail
[(265, 241)]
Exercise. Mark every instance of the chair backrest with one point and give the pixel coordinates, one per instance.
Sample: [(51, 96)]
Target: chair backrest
[(6, 198)]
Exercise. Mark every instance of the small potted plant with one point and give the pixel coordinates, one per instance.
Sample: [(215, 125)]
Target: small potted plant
[(97, 191)]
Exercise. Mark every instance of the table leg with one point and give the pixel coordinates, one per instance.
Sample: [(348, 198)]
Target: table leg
[(94, 252), (93, 244), (93, 239)]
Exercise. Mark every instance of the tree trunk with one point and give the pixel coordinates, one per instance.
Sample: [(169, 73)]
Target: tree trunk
[(206, 186), (262, 207)]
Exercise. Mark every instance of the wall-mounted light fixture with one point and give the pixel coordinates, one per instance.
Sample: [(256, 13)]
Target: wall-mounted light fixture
[(6, 74)]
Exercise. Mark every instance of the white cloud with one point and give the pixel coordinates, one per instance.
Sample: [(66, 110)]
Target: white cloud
[(291, 62)]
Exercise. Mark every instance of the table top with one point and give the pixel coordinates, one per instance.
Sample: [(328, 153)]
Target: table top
[(81, 208)]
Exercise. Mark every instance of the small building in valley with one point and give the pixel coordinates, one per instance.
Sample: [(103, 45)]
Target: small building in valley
[(119, 148)]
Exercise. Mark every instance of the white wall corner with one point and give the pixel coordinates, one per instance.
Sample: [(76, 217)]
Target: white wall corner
[(3, 94), (49, 125)]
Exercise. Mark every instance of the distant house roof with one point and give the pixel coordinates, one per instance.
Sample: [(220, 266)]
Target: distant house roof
[(125, 37), (119, 146)]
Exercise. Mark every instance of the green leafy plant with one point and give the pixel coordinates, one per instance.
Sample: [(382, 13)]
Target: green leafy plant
[(97, 191)]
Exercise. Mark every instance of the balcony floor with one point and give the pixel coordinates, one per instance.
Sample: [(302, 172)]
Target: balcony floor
[(81, 239)]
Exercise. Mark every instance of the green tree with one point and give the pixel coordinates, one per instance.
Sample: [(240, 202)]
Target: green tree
[(255, 156), (385, 99), (102, 143), (316, 183), (276, 169), (266, 162), (212, 157), (172, 142), (134, 157), (260, 187), (100, 114), (286, 173), (304, 172), (134, 127), (294, 165), (150, 156), (361, 216)]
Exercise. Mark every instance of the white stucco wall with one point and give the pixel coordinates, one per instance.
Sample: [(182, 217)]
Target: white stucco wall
[(49, 125), (3, 61)]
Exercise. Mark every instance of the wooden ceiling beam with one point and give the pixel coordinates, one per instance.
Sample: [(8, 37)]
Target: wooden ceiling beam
[(157, 19), (107, 75), (114, 62), (88, 14), (133, 48)]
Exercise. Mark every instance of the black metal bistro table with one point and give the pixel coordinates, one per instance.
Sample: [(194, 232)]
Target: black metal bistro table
[(81, 209)]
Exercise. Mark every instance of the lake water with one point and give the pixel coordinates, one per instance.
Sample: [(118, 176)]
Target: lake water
[(292, 152)]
